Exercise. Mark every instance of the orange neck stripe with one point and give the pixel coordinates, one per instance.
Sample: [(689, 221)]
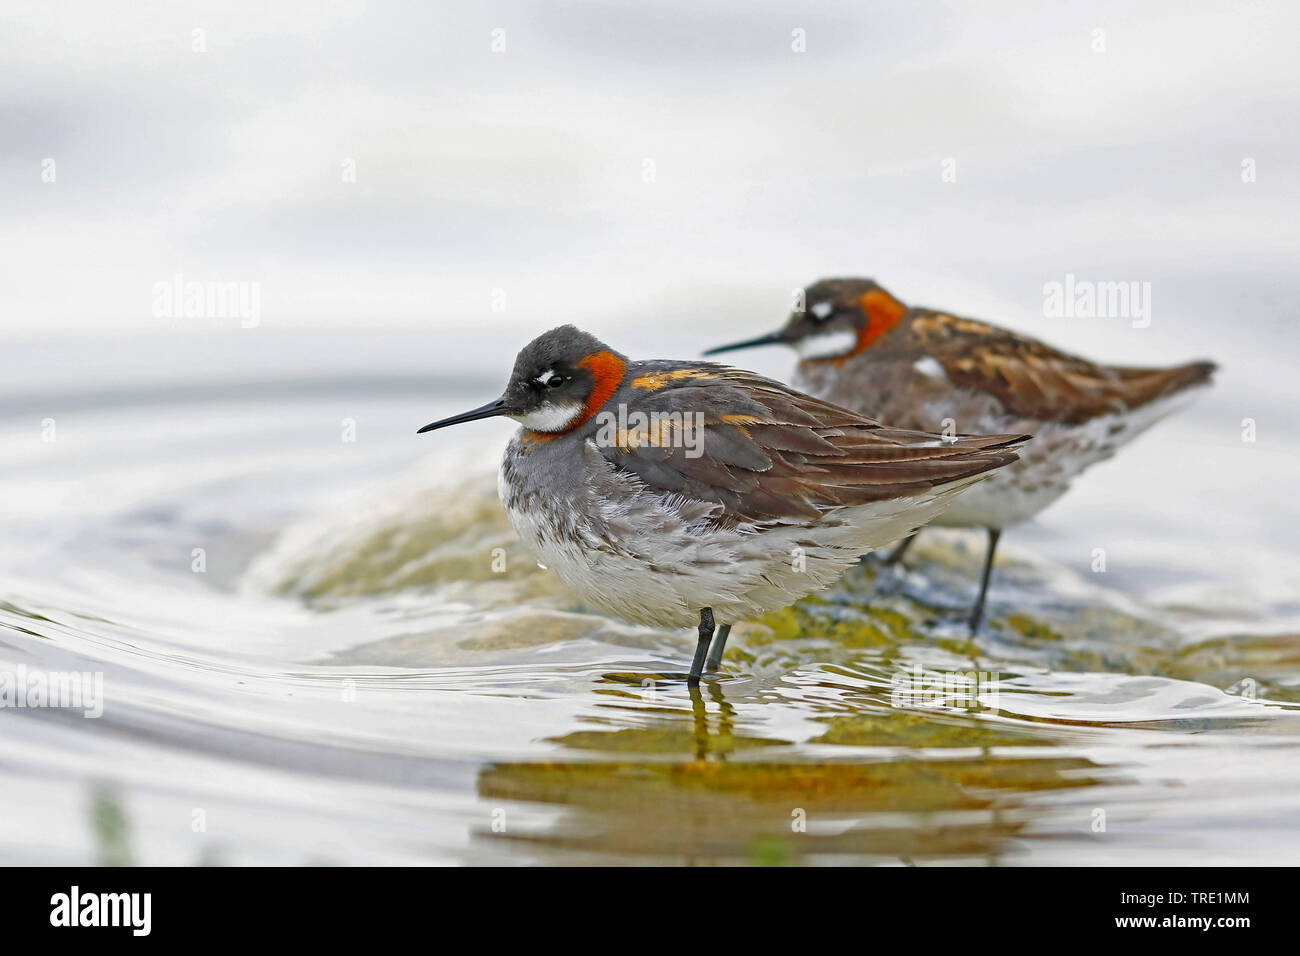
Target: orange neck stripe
[(883, 312), (607, 372)]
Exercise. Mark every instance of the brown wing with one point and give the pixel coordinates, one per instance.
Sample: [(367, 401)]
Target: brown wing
[(766, 452), (1034, 380)]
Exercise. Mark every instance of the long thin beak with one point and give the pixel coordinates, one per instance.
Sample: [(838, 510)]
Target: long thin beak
[(491, 410), (772, 338)]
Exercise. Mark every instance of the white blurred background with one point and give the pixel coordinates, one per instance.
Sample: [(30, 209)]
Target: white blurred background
[(1114, 155), (416, 190)]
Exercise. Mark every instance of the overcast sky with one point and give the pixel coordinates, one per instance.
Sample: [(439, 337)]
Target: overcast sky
[(664, 173)]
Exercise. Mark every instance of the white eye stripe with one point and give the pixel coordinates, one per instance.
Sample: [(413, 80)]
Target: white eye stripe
[(822, 309), (545, 377)]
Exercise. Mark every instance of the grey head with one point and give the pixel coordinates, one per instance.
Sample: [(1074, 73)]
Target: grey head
[(839, 317), (560, 379)]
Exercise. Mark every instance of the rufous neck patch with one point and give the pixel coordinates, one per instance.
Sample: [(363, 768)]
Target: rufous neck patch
[(883, 312), (607, 371)]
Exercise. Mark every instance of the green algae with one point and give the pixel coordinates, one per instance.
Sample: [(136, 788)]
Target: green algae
[(900, 728), (659, 740)]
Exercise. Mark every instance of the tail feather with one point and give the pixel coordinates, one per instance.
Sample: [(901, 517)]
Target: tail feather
[(1145, 385)]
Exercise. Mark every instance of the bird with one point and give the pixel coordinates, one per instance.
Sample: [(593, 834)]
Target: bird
[(679, 493), (932, 370)]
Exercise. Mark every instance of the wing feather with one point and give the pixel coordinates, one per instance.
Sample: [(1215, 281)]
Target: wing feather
[(1033, 380), (771, 454)]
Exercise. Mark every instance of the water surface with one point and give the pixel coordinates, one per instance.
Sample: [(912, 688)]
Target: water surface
[(349, 676)]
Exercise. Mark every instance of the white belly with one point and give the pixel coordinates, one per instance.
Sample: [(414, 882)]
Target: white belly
[(671, 562), (1049, 463)]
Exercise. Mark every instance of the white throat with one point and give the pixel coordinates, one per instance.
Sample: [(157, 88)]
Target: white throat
[(550, 417), (826, 344)]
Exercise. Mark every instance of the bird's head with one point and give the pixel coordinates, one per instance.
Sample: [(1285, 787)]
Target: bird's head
[(560, 380), (836, 318)]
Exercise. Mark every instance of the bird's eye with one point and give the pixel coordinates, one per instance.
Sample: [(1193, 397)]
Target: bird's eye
[(555, 381)]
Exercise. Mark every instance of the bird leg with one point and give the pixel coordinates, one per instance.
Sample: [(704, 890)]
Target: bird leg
[(702, 648), (977, 615), (719, 645), (897, 554)]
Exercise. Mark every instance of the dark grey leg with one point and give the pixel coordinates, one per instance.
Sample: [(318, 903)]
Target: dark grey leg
[(719, 645), (977, 615), (701, 648), (901, 549)]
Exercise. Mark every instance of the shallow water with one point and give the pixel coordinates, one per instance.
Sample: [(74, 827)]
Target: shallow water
[(349, 679)]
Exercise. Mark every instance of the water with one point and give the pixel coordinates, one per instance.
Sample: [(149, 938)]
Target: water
[(308, 656), (306, 653)]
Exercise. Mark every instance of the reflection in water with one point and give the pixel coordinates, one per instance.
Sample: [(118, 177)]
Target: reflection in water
[(685, 785), (725, 713)]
